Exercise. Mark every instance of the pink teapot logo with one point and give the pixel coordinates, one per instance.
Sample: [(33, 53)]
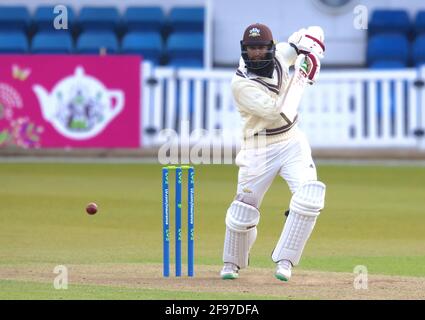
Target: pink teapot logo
[(79, 106)]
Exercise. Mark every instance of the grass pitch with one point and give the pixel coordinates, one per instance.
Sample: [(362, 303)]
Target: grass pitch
[(374, 216)]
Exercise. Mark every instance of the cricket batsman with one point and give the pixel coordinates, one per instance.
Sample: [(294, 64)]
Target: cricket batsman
[(272, 145)]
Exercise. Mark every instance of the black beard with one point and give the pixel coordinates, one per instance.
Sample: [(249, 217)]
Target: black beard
[(267, 71)]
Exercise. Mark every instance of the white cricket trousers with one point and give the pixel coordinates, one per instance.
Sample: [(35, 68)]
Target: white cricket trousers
[(259, 166)]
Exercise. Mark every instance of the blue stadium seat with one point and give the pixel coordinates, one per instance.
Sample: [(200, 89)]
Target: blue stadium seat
[(389, 21), (13, 42), (388, 65), (190, 19), (99, 18), (420, 22), (95, 41), (418, 50), (186, 63), (144, 19), (52, 42), (44, 18), (14, 18), (388, 47), (147, 44), (185, 49)]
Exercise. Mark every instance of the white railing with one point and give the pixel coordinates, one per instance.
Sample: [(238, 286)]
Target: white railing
[(199, 99), (363, 109), (344, 109)]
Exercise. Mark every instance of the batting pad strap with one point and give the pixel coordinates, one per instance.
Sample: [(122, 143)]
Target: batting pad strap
[(309, 199), (242, 217)]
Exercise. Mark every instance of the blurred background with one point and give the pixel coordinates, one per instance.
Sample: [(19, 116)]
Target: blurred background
[(107, 78)]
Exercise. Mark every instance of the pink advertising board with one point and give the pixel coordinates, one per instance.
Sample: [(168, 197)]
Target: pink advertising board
[(75, 101)]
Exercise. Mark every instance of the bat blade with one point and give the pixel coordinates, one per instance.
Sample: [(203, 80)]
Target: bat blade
[(293, 95)]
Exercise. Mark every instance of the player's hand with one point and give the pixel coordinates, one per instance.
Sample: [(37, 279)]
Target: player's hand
[(295, 38), (309, 40), (310, 65)]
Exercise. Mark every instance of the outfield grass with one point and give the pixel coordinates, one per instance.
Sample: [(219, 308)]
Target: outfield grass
[(374, 216), (22, 290)]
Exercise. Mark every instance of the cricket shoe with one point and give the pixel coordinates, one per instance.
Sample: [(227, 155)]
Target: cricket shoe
[(283, 270), (229, 271)]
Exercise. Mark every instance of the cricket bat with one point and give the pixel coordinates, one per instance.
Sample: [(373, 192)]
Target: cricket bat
[(293, 95)]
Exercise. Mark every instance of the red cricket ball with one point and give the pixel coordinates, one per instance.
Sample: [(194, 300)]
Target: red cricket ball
[(91, 208)]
